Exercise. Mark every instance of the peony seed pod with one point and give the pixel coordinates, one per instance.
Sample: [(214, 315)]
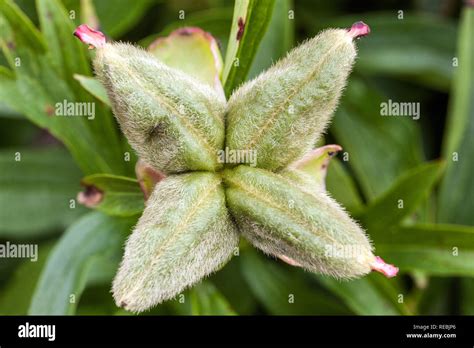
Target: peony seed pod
[(184, 234), (174, 122), (308, 229), (283, 112), (190, 226)]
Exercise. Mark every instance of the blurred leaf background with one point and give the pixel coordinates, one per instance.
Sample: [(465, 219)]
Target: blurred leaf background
[(419, 51)]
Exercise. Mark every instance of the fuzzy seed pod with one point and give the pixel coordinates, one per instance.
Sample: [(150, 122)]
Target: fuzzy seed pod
[(307, 228), (174, 122), (282, 113), (184, 234)]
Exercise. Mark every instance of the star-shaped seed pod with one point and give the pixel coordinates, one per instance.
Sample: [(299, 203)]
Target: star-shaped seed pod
[(204, 201)]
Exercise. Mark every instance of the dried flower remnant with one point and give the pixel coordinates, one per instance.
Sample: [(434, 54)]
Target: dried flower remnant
[(386, 269), (198, 207), (90, 197), (359, 29), (93, 38)]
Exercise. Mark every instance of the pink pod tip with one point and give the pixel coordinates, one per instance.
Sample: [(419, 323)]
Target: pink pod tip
[(93, 38), (386, 269), (359, 29)]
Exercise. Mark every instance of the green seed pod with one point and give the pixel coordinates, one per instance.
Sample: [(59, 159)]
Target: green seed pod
[(184, 234), (308, 229), (174, 122), (282, 113)]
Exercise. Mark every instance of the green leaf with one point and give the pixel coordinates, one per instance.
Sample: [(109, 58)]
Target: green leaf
[(72, 131), (175, 50), (403, 197), (436, 297), (37, 189), (7, 268), (96, 300), (93, 241), (245, 39), (467, 300), (456, 198), (7, 112), (376, 137), (342, 187), (116, 17), (371, 295), (18, 133), (232, 285), (15, 298), (202, 299), (437, 249), (278, 38), (94, 87), (285, 291), (88, 14), (206, 300), (66, 54), (27, 33), (93, 140), (417, 48), (122, 196)]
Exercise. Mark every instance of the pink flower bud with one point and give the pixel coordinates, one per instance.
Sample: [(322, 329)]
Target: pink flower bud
[(358, 29), (386, 269), (93, 38)]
